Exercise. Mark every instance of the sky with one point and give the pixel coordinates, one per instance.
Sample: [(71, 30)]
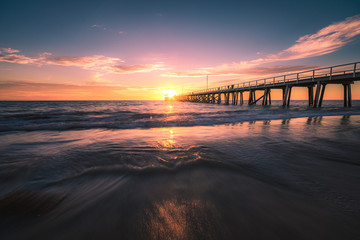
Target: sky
[(140, 50)]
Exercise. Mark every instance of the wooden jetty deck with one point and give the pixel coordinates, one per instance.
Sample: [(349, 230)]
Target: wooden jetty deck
[(344, 74)]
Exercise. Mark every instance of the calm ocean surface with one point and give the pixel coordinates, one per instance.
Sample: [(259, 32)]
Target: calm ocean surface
[(176, 170)]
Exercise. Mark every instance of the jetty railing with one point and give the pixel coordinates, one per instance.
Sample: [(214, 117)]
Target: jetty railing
[(345, 74), (330, 72)]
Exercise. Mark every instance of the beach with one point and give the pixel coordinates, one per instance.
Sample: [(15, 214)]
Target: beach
[(172, 170)]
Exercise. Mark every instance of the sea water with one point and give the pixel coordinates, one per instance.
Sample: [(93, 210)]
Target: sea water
[(178, 170)]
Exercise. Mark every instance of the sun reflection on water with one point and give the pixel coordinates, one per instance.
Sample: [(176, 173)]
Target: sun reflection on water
[(170, 109), (176, 219)]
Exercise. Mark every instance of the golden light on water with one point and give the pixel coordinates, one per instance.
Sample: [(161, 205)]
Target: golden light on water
[(179, 219)]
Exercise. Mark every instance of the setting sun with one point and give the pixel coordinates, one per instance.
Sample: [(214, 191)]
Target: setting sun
[(169, 93)]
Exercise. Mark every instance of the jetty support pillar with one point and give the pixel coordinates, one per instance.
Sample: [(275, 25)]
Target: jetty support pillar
[(267, 98), (311, 95), (319, 94), (250, 97), (241, 98), (286, 95), (347, 95), (322, 95)]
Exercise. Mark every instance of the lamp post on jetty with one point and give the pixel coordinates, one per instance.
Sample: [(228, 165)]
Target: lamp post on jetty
[(207, 82)]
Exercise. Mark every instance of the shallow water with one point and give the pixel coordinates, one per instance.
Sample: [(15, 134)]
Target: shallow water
[(80, 115), (289, 175)]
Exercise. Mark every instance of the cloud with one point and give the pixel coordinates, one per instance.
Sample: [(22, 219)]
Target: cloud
[(88, 62), (269, 71), (98, 26), (325, 41), (9, 50), (94, 62), (108, 29), (275, 69), (137, 68), (29, 90), (30, 86), (241, 69), (16, 58)]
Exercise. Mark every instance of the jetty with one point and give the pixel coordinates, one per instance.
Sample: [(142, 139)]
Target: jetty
[(315, 80)]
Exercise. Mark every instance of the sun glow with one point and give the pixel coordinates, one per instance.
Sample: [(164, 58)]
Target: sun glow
[(169, 93)]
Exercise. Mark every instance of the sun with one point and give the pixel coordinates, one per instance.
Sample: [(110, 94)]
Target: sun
[(169, 93)]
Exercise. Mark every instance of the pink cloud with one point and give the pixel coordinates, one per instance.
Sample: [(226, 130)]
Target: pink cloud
[(9, 50), (325, 41), (137, 68), (95, 62), (87, 62), (238, 69), (275, 69), (16, 58)]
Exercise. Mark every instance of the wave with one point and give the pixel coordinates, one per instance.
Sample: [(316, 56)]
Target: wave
[(146, 116)]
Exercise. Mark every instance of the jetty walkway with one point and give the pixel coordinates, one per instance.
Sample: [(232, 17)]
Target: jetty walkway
[(344, 74)]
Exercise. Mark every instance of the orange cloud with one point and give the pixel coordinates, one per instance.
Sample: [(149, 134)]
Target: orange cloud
[(26, 90), (326, 40), (95, 62), (16, 58), (9, 50)]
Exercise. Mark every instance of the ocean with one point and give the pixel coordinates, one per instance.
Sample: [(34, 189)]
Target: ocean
[(179, 170)]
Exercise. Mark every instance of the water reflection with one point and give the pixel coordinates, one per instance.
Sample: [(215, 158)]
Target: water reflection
[(314, 120), (172, 152), (345, 120), (171, 134), (117, 184), (170, 109), (267, 122), (285, 121), (167, 142), (180, 219)]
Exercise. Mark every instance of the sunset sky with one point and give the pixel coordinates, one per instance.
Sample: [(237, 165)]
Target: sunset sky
[(117, 50)]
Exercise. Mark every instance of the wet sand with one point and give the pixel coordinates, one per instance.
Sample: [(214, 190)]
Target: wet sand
[(279, 179)]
